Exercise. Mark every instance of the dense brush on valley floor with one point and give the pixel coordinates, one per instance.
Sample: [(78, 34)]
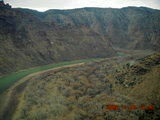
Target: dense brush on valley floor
[(83, 92)]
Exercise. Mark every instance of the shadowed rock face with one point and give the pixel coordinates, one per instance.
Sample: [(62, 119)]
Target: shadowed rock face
[(29, 38), (3, 5)]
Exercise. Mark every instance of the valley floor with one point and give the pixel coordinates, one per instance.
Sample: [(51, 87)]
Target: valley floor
[(96, 90)]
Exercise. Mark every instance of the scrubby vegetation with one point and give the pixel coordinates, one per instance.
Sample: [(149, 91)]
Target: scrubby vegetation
[(83, 92), (7, 80)]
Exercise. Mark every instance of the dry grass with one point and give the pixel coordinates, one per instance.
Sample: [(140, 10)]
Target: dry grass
[(82, 92)]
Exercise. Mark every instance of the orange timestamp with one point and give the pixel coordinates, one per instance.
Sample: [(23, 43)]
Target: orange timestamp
[(129, 107)]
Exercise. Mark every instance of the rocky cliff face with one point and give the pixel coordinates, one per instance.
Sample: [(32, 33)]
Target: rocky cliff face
[(131, 27), (29, 38), (3, 5)]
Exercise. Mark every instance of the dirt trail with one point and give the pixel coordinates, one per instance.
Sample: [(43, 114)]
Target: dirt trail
[(10, 97), (44, 71)]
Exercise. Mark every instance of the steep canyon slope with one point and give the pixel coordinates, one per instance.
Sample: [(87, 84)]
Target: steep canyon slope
[(31, 38)]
